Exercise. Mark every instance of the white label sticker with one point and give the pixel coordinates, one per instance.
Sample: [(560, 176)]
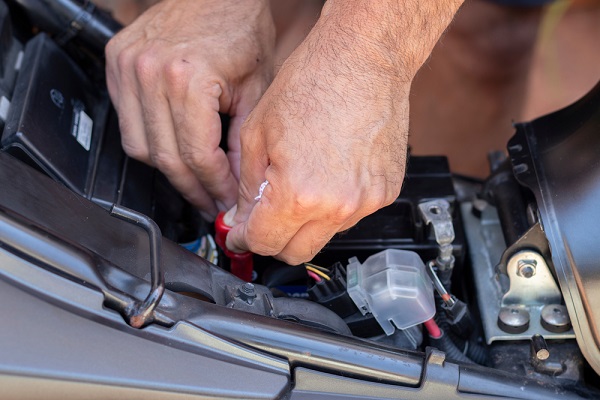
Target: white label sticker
[(82, 129)]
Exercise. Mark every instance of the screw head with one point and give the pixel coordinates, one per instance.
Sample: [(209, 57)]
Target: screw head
[(526, 268), (248, 288), (513, 320), (247, 292), (555, 318)]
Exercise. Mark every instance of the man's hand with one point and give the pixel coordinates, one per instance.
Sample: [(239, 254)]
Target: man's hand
[(330, 134), (169, 75)]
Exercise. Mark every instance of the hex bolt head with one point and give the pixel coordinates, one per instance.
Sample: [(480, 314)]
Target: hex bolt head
[(526, 268), (247, 292), (247, 288), (513, 320), (555, 318)]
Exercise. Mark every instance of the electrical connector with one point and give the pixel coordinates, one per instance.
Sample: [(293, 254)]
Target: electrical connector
[(459, 317), (332, 293)]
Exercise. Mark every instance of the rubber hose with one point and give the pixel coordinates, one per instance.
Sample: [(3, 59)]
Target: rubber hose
[(478, 353), (475, 351), (446, 344), (442, 320)]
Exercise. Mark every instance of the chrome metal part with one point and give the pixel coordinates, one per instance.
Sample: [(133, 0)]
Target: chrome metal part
[(142, 313), (487, 245), (437, 213), (526, 268), (539, 348), (513, 319), (438, 285), (555, 318), (531, 282)]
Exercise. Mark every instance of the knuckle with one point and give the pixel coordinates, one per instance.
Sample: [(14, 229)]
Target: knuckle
[(345, 210), (177, 74), (111, 50), (164, 161), (382, 198), (392, 194), (195, 159), (378, 200), (304, 199), (124, 57), (145, 66), (135, 151)]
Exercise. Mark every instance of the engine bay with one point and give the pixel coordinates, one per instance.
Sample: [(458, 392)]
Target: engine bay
[(461, 288)]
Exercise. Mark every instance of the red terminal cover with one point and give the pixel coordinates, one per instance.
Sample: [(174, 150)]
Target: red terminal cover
[(241, 263)]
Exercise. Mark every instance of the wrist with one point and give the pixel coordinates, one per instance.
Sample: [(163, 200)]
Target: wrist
[(397, 35)]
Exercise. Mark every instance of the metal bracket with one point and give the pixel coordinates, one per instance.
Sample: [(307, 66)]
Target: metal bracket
[(437, 213), (487, 247), (531, 282), (139, 314)]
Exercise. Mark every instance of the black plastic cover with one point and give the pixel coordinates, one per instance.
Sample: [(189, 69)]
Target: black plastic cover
[(56, 116), (62, 123), (399, 225), (558, 158)]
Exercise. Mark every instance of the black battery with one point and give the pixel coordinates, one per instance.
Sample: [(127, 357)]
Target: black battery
[(399, 225), (62, 123)]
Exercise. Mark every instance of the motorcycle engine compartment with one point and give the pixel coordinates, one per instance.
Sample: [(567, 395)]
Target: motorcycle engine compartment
[(65, 178)]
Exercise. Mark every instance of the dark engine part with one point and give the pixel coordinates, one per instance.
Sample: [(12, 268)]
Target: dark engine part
[(61, 122), (72, 19), (76, 252), (504, 192), (557, 157), (399, 225)]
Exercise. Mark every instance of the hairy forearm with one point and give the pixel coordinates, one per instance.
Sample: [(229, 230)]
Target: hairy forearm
[(398, 35)]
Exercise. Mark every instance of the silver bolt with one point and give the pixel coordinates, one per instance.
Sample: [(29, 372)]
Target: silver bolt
[(247, 292), (248, 288), (555, 318), (526, 268), (513, 320)]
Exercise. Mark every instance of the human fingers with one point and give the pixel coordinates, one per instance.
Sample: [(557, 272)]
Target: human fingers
[(164, 152), (123, 89), (308, 241), (268, 229), (194, 106), (254, 163), (250, 94)]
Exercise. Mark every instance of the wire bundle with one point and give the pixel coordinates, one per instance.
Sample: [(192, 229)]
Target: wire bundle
[(317, 273)]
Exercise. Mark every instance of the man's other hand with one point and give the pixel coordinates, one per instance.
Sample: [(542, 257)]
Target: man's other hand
[(172, 72)]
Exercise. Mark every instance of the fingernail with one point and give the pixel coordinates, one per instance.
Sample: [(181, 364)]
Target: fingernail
[(228, 217), (207, 217), (221, 206)]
